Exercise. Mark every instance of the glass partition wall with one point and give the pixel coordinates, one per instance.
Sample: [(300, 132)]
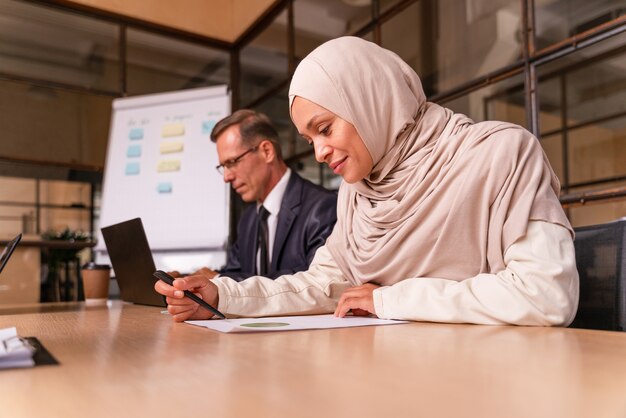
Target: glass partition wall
[(555, 67), (60, 70)]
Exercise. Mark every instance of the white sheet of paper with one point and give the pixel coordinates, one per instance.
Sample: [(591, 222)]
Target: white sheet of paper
[(290, 323), (14, 352)]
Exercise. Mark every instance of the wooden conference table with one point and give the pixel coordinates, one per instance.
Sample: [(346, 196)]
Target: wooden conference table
[(123, 360)]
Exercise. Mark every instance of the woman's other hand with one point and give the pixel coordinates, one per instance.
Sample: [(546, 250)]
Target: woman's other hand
[(359, 300)]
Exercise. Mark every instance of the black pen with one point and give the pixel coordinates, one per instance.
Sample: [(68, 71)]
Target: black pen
[(161, 275)]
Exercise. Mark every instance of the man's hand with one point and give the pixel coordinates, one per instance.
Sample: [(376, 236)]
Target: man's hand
[(359, 300), (204, 271), (182, 308)]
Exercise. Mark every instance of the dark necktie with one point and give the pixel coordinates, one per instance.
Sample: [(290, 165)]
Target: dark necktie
[(263, 239)]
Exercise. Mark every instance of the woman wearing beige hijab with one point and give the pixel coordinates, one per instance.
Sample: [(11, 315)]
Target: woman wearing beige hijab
[(438, 218)]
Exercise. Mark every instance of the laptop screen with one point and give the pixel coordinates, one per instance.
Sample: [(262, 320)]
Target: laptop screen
[(129, 251), (8, 250)]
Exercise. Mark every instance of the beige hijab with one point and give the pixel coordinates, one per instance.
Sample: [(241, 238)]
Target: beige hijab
[(446, 196)]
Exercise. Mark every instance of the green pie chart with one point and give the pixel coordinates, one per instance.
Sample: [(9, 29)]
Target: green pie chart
[(265, 324)]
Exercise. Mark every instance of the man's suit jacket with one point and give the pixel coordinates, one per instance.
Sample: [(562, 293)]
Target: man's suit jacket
[(307, 215)]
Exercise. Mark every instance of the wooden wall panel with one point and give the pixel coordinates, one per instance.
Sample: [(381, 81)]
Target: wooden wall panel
[(224, 20)]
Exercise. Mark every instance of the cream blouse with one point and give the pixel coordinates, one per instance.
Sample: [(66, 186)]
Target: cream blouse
[(539, 286)]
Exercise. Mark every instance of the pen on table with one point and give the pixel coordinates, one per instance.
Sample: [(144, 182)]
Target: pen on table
[(161, 275)]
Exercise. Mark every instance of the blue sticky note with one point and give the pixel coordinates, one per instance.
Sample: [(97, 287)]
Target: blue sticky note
[(133, 151), (164, 188), (135, 133), (207, 127), (132, 169)]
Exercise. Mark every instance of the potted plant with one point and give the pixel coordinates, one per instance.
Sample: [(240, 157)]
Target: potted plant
[(63, 281)]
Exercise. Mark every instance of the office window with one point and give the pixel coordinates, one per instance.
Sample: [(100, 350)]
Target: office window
[(318, 173), (301, 145), (264, 62), (597, 212), (583, 99), (504, 101), (277, 108), (449, 42), (387, 4), (553, 147), (64, 205), (17, 190), (330, 180), (53, 125), (59, 205), (73, 194), (42, 43), (582, 103), (309, 169), (157, 64), (588, 86), (597, 151), (17, 205), (319, 21), (550, 96), (57, 220), (557, 20), (597, 90), (15, 220), (369, 36), (412, 42)]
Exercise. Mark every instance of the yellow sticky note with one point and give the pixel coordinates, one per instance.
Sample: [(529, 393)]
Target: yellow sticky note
[(168, 165), (173, 129), (169, 147)]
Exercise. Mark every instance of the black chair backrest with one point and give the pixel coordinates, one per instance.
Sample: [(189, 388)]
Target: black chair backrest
[(600, 258)]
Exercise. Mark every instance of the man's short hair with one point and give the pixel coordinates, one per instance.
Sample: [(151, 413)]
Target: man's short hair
[(253, 128)]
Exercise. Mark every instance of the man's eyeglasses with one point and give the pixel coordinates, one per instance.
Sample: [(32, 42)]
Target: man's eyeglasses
[(229, 164)]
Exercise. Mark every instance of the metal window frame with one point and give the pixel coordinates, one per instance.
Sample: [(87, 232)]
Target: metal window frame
[(531, 59)]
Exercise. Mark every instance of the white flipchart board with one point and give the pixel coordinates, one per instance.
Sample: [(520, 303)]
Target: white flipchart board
[(161, 167)]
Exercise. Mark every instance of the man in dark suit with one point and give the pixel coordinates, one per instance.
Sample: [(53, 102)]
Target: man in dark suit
[(291, 217)]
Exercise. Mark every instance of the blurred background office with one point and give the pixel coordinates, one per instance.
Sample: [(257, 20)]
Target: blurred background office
[(556, 67)]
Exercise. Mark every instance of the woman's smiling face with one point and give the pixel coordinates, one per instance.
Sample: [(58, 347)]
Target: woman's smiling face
[(335, 140)]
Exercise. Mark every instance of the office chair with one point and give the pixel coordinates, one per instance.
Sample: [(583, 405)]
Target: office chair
[(601, 262)]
